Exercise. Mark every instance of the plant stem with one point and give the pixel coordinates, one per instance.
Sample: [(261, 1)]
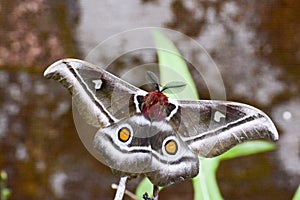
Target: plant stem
[(205, 184)]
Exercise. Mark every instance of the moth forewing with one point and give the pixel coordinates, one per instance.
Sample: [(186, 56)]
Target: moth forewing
[(68, 72), (222, 125)]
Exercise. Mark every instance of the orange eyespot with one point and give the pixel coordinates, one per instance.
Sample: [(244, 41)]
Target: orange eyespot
[(171, 147), (124, 134)]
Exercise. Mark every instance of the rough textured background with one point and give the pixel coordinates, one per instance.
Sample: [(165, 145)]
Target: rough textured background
[(255, 44), (34, 33)]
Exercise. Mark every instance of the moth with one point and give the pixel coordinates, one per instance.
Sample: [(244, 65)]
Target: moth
[(147, 133)]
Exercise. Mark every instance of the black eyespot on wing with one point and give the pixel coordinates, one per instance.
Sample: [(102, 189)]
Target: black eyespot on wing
[(171, 147), (124, 134)]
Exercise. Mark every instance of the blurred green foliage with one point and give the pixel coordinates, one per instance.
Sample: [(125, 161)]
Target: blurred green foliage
[(297, 194), (5, 192)]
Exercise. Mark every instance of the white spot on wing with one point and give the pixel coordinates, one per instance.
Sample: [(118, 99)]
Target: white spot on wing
[(97, 83), (92, 107), (218, 115)]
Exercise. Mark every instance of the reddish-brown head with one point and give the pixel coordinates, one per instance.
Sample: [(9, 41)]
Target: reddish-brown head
[(154, 106)]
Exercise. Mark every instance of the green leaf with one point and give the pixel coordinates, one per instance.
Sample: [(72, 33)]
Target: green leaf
[(3, 175), (173, 67), (144, 186), (5, 194), (205, 184), (248, 148), (297, 194)]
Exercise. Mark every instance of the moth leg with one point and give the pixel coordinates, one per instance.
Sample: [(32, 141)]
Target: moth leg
[(146, 197), (155, 192), (121, 188)]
